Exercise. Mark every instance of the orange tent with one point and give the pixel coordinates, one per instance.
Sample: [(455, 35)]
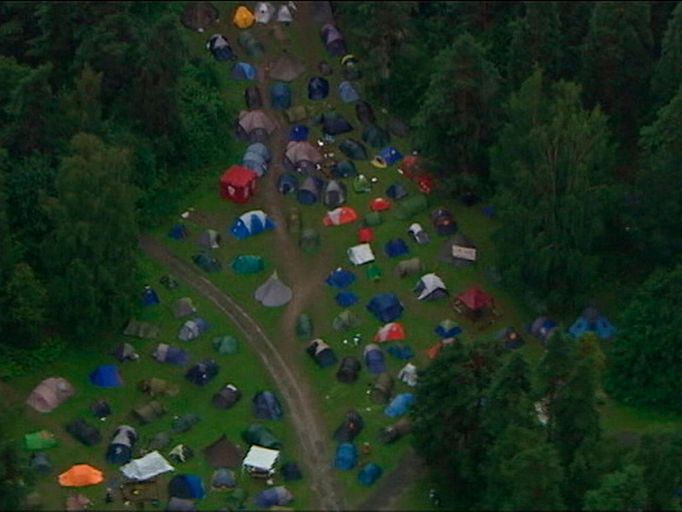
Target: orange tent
[(379, 204), (339, 216), (243, 17), (80, 475)]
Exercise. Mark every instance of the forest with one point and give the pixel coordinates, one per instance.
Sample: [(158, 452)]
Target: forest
[(563, 115)]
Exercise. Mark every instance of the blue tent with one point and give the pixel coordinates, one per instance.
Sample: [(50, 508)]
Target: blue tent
[(591, 320), (396, 247), (172, 355), (346, 456), (189, 487), (369, 474), (387, 156), (251, 223), (346, 299), (318, 88), (543, 328), (386, 307), (298, 133), (396, 191), (106, 376), (287, 183), (256, 162), (220, 48), (400, 351), (347, 92), (243, 71), (265, 406), (448, 329), (374, 359), (260, 149), (399, 405), (178, 232), (149, 297), (340, 278), (273, 497), (280, 96)]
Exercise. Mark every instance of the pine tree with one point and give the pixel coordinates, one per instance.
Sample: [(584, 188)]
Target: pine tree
[(24, 304), (622, 490), (15, 481), (666, 78)]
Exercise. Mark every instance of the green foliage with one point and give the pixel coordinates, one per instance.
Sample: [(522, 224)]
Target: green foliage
[(18, 361), (665, 82), (553, 166), (660, 456), (23, 303), (15, 481), (622, 490)]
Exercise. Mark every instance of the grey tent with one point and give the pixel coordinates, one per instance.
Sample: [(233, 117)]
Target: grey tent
[(183, 307), (350, 427), (253, 97), (310, 240), (222, 453), (392, 433), (176, 504), (348, 370), (159, 442), (334, 194), (347, 92), (40, 463), (198, 15), (333, 123), (287, 183), (264, 12), (344, 169), (458, 251), (301, 155), (304, 326), (273, 293), (256, 157), (375, 136), (266, 406), (284, 14), (309, 191), (333, 40), (144, 330), (207, 262), (223, 479), (184, 423), (82, 431), (226, 345), (209, 239), (254, 124), (382, 388), (345, 320), (410, 267), (192, 329), (226, 397), (251, 45), (148, 412), (125, 352), (396, 191), (100, 409), (364, 112), (398, 128), (286, 68), (353, 149)]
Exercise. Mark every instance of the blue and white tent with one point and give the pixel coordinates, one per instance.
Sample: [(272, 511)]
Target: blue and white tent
[(149, 296), (340, 278), (220, 48), (251, 223), (387, 156), (243, 71)]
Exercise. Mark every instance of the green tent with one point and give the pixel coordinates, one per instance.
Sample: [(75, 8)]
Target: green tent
[(361, 184), (304, 327), (373, 273), (247, 264), (309, 241), (207, 262), (345, 320), (410, 207), (41, 440), (261, 436), (251, 45), (226, 345), (144, 330), (373, 219)]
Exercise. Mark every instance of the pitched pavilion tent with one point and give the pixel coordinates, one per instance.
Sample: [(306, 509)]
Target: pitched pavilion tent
[(251, 223), (226, 397), (280, 96), (273, 293), (144, 330), (247, 264), (375, 136), (199, 15), (287, 183), (591, 320), (146, 467), (382, 388), (458, 251), (301, 154), (262, 436), (50, 394), (209, 239), (360, 254), (286, 68), (333, 40), (348, 92), (243, 17), (223, 453), (351, 426), (220, 48), (169, 354), (410, 267), (321, 353), (430, 287), (243, 71), (333, 123), (386, 307), (183, 307), (264, 12), (318, 88), (334, 194), (309, 191), (348, 370), (266, 406), (253, 97), (353, 149), (364, 113), (254, 125)]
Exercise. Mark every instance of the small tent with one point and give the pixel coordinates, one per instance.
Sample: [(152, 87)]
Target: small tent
[(253, 97), (543, 328), (183, 307), (443, 221), (410, 267), (178, 232), (386, 157), (430, 287), (207, 262), (347, 92), (184, 423), (364, 113), (373, 219), (344, 169), (396, 247), (333, 123), (225, 345), (106, 376), (251, 45), (475, 301), (243, 17), (373, 273), (351, 426), (39, 462), (144, 330), (226, 397), (408, 374), (309, 191), (348, 370), (120, 447), (284, 14), (49, 394), (511, 338), (333, 40), (168, 354), (209, 239), (345, 321), (340, 278), (238, 184), (148, 412), (298, 113), (220, 48), (399, 429), (223, 453), (375, 136), (203, 372), (458, 251), (80, 475), (416, 231), (192, 329), (448, 329), (591, 320), (223, 479), (340, 216), (401, 351), (82, 431), (353, 149), (304, 326), (346, 299), (243, 71), (318, 88), (298, 133), (386, 307), (262, 436), (266, 406), (301, 155), (410, 207), (321, 353), (158, 387), (189, 487), (374, 359), (400, 405), (360, 254), (392, 331), (382, 388), (291, 471), (247, 264), (379, 204), (346, 457), (40, 440), (273, 292), (278, 496), (151, 465), (264, 12), (287, 183), (365, 235), (280, 96), (286, 68), (369, 474), (396, 191), (309, 241), (198, 15), (251, 223), (149, 296), (334, 194), (255, 161), (180, 505)]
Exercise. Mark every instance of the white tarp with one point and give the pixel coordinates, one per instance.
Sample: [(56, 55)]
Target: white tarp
[(147, 467), (408, 374), (465, 253), (261, 459), (431, 283), (360, 254)]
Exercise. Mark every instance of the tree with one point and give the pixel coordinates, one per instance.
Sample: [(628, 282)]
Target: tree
[(7, 254), (24, 306), (666, 78), (643, 365), (15, 481), (553, 167), (575, 22), (660, 456), (456, 118), (622, 490)]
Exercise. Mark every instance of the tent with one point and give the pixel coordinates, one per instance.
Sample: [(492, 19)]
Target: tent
[(304, 326), (333, 123), (251, 45), (238, 184), (430, 287), (254, 125), (353, 149), (379, 204), (301, 155), (209, 239), (74, 503), (226, 345), (340, 216), (80, 475), (476, 301), (226, 397), (260, 149), (253, 97), (183, 307), (186, 487), (106, 376), (373, 273), (344, 169), (448, 329), (369, 474), (40, 463), (373, 219), (543, 328), (298, 133), (365, 235), (149, 296), (220, 48), (280, 96), (347, 92), (243, 71), (223, 479), (255, 161), (348, 370), (203, 372), (399, 405), (158, 387), (284, 14), (181, 453), (410, 207), (360, 254), (511, 337), (178, 232), (410, 267), (146, 413), (120, 447), (184, 423), (318, 88), (321, 353), (443, 221), (198, 15), (168, 282), (386, 157), (298, 113), (273, 497), (334, 194), (82, 431), (273, 292), (346, 456), (264, 12), (192, 329), (392, 433), (207, 262), (247, 264), (251, 223), (381, 390), (260, 460), (400, 351), (291, 471), (396, 247), (223, 453), (309, 191), (374, 359), (416, 231), (346, 299), (40, 440), (266, 406), (168, 354), (160, 441), (324, 68), (243, 17), (144, 330), (340, 278), (309, 241), (392, 331), (261, 436), (351, 69), (396, 191), (408, 374), (286, 68), (180, 505), (49, 394), (386, 307), (375, 136), (591, 320), (333, 40), (350, 427), (364, 112), (151, 465), (287, 183)]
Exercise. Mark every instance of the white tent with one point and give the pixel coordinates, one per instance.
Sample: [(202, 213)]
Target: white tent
[(264, 12), (284, 14), (360, 254), (273, 292), (408, 374), (260, 459), (147, 467), (418, 234), (430, 285)]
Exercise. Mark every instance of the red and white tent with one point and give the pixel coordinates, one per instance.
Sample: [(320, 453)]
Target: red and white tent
[(339, 216), (393, 331)]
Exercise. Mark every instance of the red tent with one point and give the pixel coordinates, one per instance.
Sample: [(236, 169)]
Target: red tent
[(393, 331), (379, 204), (475, 299), (238, 184), (365, 235)]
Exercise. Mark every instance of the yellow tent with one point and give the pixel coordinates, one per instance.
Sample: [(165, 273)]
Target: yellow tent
[(80, 475), (243, 17)]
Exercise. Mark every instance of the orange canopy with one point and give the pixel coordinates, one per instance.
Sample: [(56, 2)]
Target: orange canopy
[(80, 475), (243, 17)]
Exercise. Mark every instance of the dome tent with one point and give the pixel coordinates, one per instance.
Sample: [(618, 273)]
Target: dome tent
[(375, 136), (168, 354), (106, 376), (369, 474), (333, 123), (399, 429), (344, 169), (262, 436), (399, 405), (318, 88), (226, 397), (253, 97), (298, 133), (266, 406), (251, 223), (207, 262), (186, 487), (209, 239), (225, 345), (284, 14), (364, 113), (304, 326), (386, 157), (264, 12), (386, 307), (243, 71), (396, 247), (348, 370), (120, 448), (321, 353), (247, 264), (345, 321), (340, 278), (301, 155), (351, 426), (49, 394), (381, 390), (203, 372), (273, 293), (347, 92), (333, 40), (346, 299), (334, 194), (430, 287), (346, 456), (287, 183), (192, 329), (353, 149), (280, 96), (309, 191), (243, 17), (220, 48), (374, 359)]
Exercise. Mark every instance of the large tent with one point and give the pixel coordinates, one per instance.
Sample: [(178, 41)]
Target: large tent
[(247, 264), (374, 359), (262, 436), (334, 194), (318, 88), (375, 136), (273, 292), (198, 15), (340, 216), (81, 475), (223, 453), (266, 406), (321, 353), (301, 154), (254, 125), (333, 123), (49, 394), (353, 149), (251, 223), (333, 40), (280, 96), (430, 287), (591, 320), (286, 68), (386, 307), (309, 191), (348, 370), (151, 465), (360, 254), (220, 48)]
